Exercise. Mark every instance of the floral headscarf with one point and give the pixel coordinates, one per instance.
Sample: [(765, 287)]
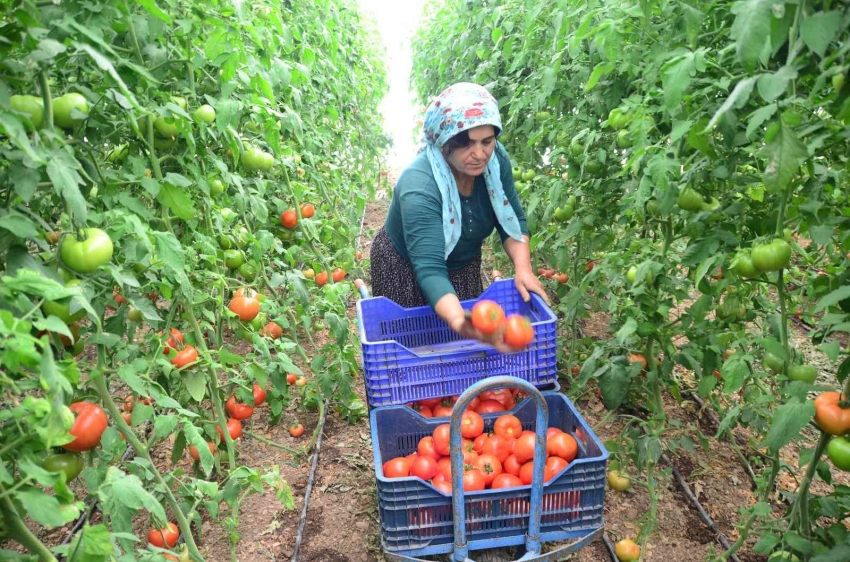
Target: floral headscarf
[(461, 107)]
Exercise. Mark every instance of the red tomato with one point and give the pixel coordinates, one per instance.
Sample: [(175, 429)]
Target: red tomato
[(426, 448), (174, 339), (552, 431), (271, 330), (511, 465), (338, 275), (518, 331), (89, 424), (430, 403), (508, 426), (246, 307), (424, 468), (259, 395), (469, 457), (555, 465), (473, 480), (398, 467), (322, 278), (185, 356), (562, 445), (296, 430), (524, 447), (412, 457), (307, 210), (444, 486), (490, 407), (501, 395), (291, 378), (441, 439), (445, 463), (166, 537), (479, 442), (289, 219), (424, 411), (237, 410), (444, 408), (439, 477), (526, 473), (488, 317), (505, 480), (497, 446), (489, 466), (467, 445), (234, 428), (471, 424), (195, 454)]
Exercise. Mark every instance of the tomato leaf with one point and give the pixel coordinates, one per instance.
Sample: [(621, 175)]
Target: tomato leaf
[(787, 422), (676, 76), (614, 384), (154, 10), (599, 71), (19, 225), (774, 84), (196, 383), (833, 298), (785, 153), (45, 509), (751, 30), (819, 30), (176, 199), (164, 425), (62, 170)]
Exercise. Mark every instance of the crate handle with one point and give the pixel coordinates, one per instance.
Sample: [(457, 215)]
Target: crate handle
[(532, 538)]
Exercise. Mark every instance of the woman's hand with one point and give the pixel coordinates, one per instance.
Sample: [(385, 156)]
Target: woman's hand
[(463, 327), (526, 282)]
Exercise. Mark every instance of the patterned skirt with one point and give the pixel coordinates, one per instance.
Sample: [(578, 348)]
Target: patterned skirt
[(393, 276)]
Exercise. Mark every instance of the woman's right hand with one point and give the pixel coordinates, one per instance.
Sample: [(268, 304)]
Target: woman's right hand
[(462, 325)]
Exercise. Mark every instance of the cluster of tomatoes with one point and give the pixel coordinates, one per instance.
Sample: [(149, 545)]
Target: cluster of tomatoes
[(548, 273), (488, 317), (322, 277), (501, 459), (488, 402)]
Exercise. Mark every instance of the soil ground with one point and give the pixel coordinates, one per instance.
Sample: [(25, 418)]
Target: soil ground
[(342, 521)]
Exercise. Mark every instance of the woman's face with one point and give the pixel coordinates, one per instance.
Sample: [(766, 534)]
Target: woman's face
[(472, 159)]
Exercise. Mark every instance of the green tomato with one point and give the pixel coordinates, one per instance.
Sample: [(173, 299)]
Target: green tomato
[(804, 373), (576, 148), (71, 464), (228, 214), (838, 81), (85, 256), (256, 159), (33, 107), (62, 308), (216, 187), (772, 256), (652, 208), (624, 139), (617, 119), (838, 452), (248, 270), (517, 173), (259, 321), (225, 242), (233, 258), (593, 167), (205, 113), (787, 234), (572, 201), (165, 127), (773, 363), (743, 265), (690, 200), (62, 107), (542, 115), (181, 101), (242, 237), (528, 175), (564, 214), (711, 205), (134, 314), (631, 274)]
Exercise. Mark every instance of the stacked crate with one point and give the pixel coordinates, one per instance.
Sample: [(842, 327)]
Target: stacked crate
[(410, 355)]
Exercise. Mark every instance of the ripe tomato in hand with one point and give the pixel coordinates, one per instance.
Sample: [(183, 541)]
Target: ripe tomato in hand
[(185, 356), (562, 445), (424, 468), (471, 424), (89, 425), (237, 410), (508, 426), (234, 428), (398, 467), (164, 538), (488, 317), (259, 395), (518, 331)]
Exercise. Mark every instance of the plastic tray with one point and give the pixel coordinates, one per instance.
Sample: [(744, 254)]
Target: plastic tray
[(416, 518), (410, 354)]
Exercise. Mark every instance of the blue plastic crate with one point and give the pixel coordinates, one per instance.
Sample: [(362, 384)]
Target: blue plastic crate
[(410, 354), (416, 518)]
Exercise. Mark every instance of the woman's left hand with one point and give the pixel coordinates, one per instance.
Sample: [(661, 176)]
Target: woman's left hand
[(526, 282)]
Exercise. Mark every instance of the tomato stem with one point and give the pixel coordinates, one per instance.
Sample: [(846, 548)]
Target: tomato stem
[(799, 517), (46, 99), (21, 533)]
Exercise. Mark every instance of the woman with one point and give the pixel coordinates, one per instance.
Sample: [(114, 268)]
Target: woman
[(445, 204)]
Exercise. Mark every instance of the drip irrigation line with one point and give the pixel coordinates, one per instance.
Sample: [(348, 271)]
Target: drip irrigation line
[(695, 503), (609, 547), (310, 481)]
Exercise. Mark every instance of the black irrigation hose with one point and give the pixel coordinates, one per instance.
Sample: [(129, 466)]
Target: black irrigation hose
[(694, 501), (609, 547), (309, 489)]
